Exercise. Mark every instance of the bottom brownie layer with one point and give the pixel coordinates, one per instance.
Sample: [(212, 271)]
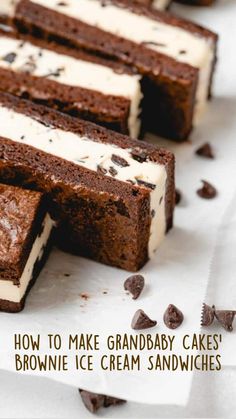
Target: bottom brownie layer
[(13, 307)]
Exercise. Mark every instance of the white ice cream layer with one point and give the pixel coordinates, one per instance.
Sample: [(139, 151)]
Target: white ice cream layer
[(70, 71), (90, 154), (7, 7), (178, 43), (160, 4), (15, 293)]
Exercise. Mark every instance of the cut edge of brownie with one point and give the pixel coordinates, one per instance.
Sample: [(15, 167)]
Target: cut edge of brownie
[(16, 159)]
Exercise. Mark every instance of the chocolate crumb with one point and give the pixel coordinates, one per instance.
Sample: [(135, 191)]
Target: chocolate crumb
[(226, 318), (94, 401), (130, 181), (142, 321), (182, 51), (62, 3), (134, 284), (113, 171), (208, 314), (178, 196), (22, 137), (205, 151), (119, 161), (84, 296), (67, 275), (153, 213), (207, 191), (10, 58), (157, 44), (173, 317), (56, 73), (101, 170), (146, 184), (139, 155)]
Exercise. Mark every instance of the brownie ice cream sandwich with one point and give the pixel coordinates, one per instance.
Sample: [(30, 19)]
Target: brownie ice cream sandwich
[(25, 230), (113, 197), (71, 81), (175, 57)]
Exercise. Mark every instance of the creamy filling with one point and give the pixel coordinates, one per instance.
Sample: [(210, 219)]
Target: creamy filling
[(180, 44), (107, 158), (26, 57), (7, 7), (160, 4), (15, 293)]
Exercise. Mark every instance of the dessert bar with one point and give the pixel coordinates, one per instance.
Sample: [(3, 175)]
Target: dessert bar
[(70, 81), (175, 57), (25, 230), (113, 197)]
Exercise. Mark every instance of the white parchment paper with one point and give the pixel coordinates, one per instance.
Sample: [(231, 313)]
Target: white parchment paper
[(179, 272)]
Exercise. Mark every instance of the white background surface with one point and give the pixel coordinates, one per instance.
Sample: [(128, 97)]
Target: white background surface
[(32, 397)]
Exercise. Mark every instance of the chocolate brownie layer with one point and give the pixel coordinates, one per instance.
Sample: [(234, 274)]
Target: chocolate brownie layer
[(113, 197), (22, 244), (47, 73), (176, 57), (197, 2)]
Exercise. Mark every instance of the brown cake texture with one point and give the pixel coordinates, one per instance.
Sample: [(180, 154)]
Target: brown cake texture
[(107, 110), (197, 2), (21, 216), (98, 216), (169, 86)]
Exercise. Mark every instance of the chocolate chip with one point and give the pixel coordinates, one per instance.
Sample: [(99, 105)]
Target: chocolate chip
[(56, 73), (207, 191), (134, 284), (113, 171), (178, 196), (101, 170), (208, 314), (146, 184), (10, 58), (205, 151), (173, 317), (157, 44), (139, 155), (94, 401), (119, 161), (112, 401), (226, 318), (142, 321)]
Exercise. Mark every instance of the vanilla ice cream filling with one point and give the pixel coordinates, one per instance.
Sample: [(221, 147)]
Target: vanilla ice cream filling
[(19, 56), (175, 42), (94, 155), (7, 7), (15, 293), (160, 4)]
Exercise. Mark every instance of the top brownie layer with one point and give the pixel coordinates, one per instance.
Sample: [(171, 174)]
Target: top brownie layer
[(21, 214)]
